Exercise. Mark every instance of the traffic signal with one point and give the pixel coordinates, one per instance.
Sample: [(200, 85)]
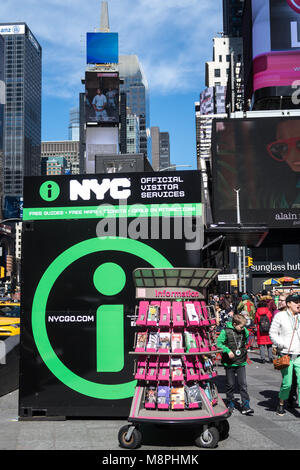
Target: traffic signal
[(250, 261)]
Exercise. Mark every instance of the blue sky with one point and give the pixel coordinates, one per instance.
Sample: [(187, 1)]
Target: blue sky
[(172, 39)]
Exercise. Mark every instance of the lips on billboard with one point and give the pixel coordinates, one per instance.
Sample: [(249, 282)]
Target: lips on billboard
[(276, 43), (294, 4)]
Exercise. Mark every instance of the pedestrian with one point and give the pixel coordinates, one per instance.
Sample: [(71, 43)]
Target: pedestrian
[(270, 301), (285, 335), (263, 320), (246, 305), (226, 301), (235, 299), (232, 341), (292, 400), (276, 297)]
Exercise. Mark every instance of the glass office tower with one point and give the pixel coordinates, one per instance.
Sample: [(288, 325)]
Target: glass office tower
[(22, 117), (137, 95)]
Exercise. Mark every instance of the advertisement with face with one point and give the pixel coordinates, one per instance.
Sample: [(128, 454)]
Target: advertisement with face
[(102, 98), (261, 157), (276, 43)]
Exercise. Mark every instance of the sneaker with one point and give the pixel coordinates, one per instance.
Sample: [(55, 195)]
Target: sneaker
[(231, 406), (246, 410), (280, 411)]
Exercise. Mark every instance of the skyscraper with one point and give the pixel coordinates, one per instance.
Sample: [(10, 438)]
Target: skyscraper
[(74, 124), (160, 149), (232, 17), (22, 117), (136, 88)]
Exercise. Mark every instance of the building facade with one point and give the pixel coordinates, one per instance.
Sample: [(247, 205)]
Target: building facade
[(22, 116), (74, 124), (232, 17), (134, 84), (68, 149), (132, 133), (160, 142), (217, 70)]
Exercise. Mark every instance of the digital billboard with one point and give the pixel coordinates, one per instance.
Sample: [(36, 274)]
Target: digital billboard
[(261, 158), (99, 141), (102, 48), (102, 98), (276, 43)]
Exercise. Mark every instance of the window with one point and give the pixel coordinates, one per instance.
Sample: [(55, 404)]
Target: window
[(272, 253), (217, 72)]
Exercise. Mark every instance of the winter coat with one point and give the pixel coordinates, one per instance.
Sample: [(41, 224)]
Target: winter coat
[(281, 332), (247, 306), (262, 338), (223, 343)]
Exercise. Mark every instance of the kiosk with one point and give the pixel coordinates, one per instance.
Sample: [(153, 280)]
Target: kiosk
[(175, 350)]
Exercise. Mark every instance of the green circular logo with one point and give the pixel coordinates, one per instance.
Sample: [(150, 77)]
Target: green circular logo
[(109, 279), (49, 191), (52, 273)]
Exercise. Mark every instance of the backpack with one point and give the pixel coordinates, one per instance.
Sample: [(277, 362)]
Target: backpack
[(264, 324)]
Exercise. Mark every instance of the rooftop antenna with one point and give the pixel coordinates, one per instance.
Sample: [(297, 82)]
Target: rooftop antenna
[(104, 20)]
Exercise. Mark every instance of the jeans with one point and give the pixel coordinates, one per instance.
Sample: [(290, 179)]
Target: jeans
[(262, 351), (240, 373), (287, 379)]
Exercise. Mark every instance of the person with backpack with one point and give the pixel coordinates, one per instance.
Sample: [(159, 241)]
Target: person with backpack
[(263, 320), (246, 305), (270, 301)]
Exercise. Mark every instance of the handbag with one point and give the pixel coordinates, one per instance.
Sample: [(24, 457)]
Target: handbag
[(282, 362)]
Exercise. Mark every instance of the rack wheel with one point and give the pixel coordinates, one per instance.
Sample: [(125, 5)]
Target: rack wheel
[(224, 429), (134, 440), (209, 438)]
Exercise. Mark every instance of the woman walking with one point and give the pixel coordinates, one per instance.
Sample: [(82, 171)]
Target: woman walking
[(263, 319), (285, 335)]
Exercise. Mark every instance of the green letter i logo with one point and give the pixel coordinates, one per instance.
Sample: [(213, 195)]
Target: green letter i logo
[(49, 191), (109, 279)]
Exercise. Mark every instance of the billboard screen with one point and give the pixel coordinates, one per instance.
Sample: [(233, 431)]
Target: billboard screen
[(100, 141), (102, 97), (261, 157), (102, 48), (276, 43)]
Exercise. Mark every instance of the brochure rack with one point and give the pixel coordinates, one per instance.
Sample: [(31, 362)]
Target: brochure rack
[(175, 349)]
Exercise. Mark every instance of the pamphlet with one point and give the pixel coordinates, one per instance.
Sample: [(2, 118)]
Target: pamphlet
[(164, 340), (177, 342), (163, 395), (177, 397), (153, 313)]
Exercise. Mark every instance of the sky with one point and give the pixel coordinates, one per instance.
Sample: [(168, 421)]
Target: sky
[(172, 39)]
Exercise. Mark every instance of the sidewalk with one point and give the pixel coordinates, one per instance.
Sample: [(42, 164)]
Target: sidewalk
[(264, 430)]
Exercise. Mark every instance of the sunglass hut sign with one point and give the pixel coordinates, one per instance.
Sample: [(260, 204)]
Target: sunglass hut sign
[(274, 267)]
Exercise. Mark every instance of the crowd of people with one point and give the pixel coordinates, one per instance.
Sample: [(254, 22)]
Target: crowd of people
[(275, 319)]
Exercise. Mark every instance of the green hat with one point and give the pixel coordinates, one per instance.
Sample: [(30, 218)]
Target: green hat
[(245, 297)]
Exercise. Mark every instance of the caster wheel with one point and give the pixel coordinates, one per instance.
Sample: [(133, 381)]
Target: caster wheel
[(134, 441), (224, 429), (208, 439)]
